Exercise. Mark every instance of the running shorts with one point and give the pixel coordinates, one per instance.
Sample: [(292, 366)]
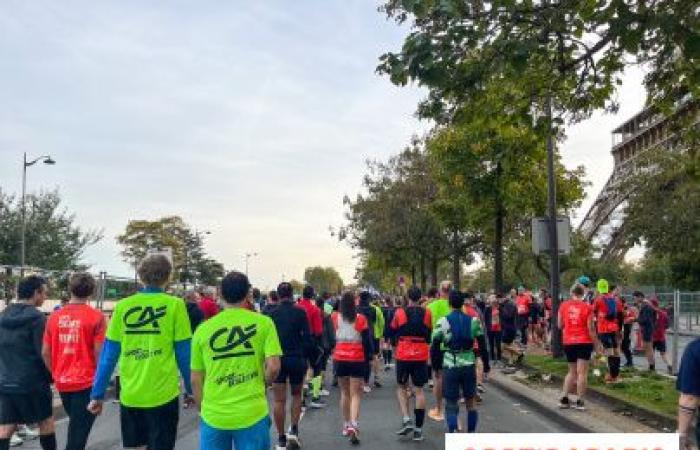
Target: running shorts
[(660, 346), (435, 359), (154, 428), (417, 371), (292, 369), (609, 340), (376, 346), (574, 352), (28, 408), (459, 380), (647, 333), (351, 369), (508, 336)]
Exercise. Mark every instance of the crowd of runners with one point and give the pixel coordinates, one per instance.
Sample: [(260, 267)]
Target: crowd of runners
[(235, 354)]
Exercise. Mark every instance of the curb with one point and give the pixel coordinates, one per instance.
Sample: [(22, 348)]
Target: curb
[(543, 409)]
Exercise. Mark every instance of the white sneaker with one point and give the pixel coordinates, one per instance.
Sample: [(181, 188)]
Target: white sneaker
[(27, 433), (367, 389), (15, 440), (324, 393)]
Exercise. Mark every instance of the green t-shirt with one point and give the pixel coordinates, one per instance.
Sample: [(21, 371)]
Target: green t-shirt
[(379, 323), (443, 334), (147, 325), (230, 348), (439, 308)]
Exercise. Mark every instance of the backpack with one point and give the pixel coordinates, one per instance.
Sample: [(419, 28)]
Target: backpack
[(611, 305), (415, 323), (461, 331)]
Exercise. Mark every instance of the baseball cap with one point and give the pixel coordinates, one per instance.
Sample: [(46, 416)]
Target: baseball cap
[(584, 280), (603, 286)]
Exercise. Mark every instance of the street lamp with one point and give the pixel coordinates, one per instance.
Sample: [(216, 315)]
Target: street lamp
[(247, 257), (46, 159)]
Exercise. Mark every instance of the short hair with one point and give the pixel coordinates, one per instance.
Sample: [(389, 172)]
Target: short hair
[(256, 293), (285, 290), (82, 285), (235, 287), (190, 294), (638, 294), (155, 270), (365, 296), (432, 292), (456, 299), (414, 293), (308, 291), (446, 286), (273, 297), (578, 290), (28, 286)]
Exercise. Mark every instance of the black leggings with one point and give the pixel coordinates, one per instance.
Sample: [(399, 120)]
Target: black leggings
[(80, 420), (495, 345), (627, 342)]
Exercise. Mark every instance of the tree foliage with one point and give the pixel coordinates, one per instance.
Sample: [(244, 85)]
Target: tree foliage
[(324, 279), (53, 240)]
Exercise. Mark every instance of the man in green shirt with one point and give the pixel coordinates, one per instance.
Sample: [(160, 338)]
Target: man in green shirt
[(235, 354), (456, 333), (149, 335), (439, 308)]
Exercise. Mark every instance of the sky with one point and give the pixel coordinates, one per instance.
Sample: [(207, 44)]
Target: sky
[(250, 120)]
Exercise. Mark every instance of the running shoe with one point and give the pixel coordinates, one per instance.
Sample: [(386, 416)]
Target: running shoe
[(480, 388), (406, 427), (281, 443), (317, 403), (293, 441), (564, 403), (345, 430), (377, 384), (367, 389), (431, 384), (436, 415), (324, 393), (15, 440), (418, 435), (386, 368), (354, 435), (579, 405), (27, 433), (521, 356), (478, 398)]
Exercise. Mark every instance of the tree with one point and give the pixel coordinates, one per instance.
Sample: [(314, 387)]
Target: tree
[(324, 279), (53, 240)]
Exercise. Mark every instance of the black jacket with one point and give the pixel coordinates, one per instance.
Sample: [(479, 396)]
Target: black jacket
[(293, 330), (22, 370), (194, 312)]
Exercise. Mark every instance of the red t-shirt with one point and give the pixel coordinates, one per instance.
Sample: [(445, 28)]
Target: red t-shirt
[(72, 333), (495, 319), (314, 316), (523, 302), (601, 311), (348, 347), (411, 348), (208, 307), (574, 316), (659, 334)]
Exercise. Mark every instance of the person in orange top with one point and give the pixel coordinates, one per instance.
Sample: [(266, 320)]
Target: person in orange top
[(523, 302), (72, 343), (411, 326), (578, 336), (608, 311), (351, 356)]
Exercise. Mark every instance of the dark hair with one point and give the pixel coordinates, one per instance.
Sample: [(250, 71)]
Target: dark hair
[(235, 287), (319, 303), (82, 285), (28, 286), (325, 295), (155, 270), (578, 290), (365, 296), (256, 293), (414, 293), (456, 299), (347, 307), (432, 292), (273, 297), (638, 294), (308, 291), (285, 290)]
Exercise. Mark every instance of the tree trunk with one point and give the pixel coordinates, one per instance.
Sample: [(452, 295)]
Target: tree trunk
[(498, 238), (434, 271), (423, 274), (413, 274), (456, 272)]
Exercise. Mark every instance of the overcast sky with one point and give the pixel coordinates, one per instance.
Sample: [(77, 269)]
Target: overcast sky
[(248, 119)]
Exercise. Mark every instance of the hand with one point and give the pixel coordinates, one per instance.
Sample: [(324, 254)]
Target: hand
[(95, 407), (188, 401)]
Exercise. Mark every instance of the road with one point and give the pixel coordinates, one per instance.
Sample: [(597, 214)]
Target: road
[(320, 429)]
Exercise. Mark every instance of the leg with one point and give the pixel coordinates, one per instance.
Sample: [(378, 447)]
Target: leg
[(344, 383), (47, 434), (279, 395), (80, 419), (569, 380), (402, 396), (581, 377), (355, 399), (498, 345), (451, 394), (492, 345), (438, 389)]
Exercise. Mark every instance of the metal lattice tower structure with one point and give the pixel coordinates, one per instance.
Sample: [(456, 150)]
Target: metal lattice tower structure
[(604, 222)]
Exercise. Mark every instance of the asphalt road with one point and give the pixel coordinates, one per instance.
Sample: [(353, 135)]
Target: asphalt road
[(320, 429)]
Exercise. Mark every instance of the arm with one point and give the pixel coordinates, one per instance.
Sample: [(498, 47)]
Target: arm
[(367, 344), (197, 382), (46, 355), (272, 368), (484, 354), (105, 367), (183, 357)]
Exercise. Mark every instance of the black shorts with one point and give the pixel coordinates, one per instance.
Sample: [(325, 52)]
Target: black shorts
[(351, 369), (523, 321), (376, 347), (436, 359), (460, 379), (647, 334), (574, 352), (155, 428), (660, 346), (26, 408), (417, 371), (608, 340), (292, 369), (508, 336)]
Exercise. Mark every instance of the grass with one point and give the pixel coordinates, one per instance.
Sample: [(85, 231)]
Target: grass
[(642, 389)]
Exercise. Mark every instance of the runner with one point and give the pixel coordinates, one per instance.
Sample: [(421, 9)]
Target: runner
[(234, 355), (149, 335), (607, 309), (523, 302), (480, 348), (492, 322), (72, 343), (315, 319), (630, 316), (194, 312), (25, 393), (576, 323), (589, 294), (388, 342), (351, 357), (509, 325), (297, 348), (207, 302), (370, 314), (327, 341), (271, 304), (411, 327), (457, 332), (647, 323), (659, 335), (439, 308)]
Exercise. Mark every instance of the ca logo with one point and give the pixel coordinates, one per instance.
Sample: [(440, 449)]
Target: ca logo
[(224, 342), (143, 320)]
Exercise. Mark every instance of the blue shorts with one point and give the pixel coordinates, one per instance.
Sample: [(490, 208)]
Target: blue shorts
[(255, 437)]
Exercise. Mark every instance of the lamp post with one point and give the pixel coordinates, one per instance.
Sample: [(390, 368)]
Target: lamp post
[(247, 257), (46, 159)]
